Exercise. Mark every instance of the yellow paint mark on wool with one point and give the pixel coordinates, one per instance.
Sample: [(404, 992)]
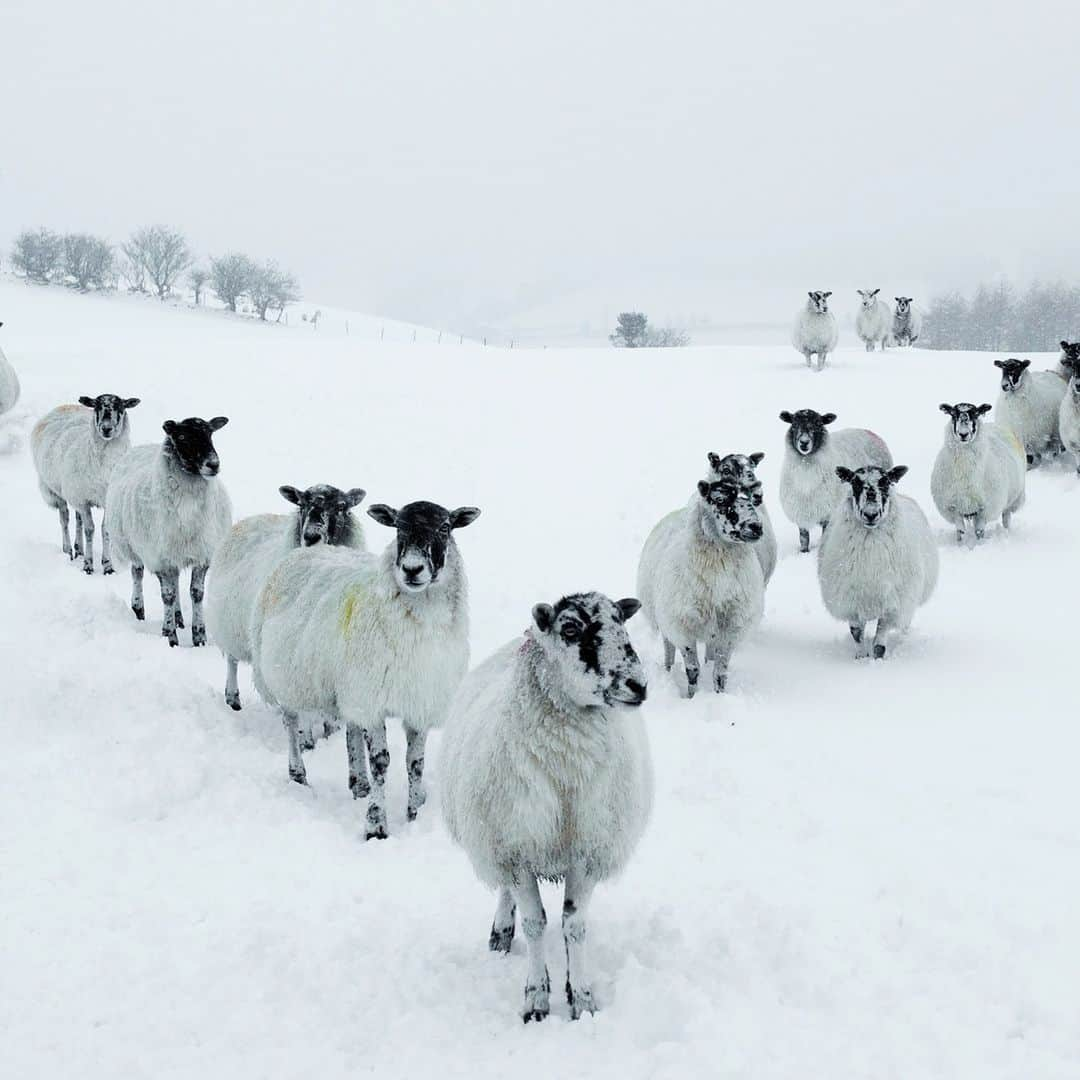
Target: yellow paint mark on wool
[(354, 597)]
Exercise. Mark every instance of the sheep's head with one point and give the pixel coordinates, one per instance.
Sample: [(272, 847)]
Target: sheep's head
[(591, 658), (110, 413), (730, 512), (819, 302), (1012, 373), (323, 515), (1070, 357), (869, 298), (807, 434), (741, 468), (871, 491), (903, 304), (1072, 367), (190, 443), (423, 538), (965, 419)]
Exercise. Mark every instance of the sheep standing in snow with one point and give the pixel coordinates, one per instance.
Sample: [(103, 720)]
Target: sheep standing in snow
[(546, 775), (9, 384), (742, 470), (874, 321), (699, 579), (75, 448), (906, 322), (359, 637), (809, 488), (878, 559), (815, 332), (1028, 405), (166, 509), (1069, 411), (980, 472), (245, 558)]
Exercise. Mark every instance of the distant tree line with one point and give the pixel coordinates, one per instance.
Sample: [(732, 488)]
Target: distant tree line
[(634, 332), (1000, 318), (152, 260)]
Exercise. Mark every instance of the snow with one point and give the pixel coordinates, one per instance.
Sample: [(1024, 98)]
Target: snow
[(852, 870)]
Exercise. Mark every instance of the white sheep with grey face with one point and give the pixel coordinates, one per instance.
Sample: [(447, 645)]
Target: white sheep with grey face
[(874, 320), (1029, 405), (815, 333), (546, 776), (906, 322), (742, 469)]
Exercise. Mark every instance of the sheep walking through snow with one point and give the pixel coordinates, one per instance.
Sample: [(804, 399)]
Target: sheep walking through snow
[(1069, 410), (906, 322), (815, 332), (1029, 406), (546, 776), (742, 469), (874, 321)]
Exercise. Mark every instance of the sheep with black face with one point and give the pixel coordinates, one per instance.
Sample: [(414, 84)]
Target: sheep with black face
[(246, 557), (1070, 357), (360, 638), (1069, 410), (75, 448), (906, 321), (878, 559), (1029, 405), (546, 775), (815, 332), (742, 470), (165, 510), (874, 320)]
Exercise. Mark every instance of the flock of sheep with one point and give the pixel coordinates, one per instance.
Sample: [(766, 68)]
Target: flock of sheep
[(816, 332), (536, 784)]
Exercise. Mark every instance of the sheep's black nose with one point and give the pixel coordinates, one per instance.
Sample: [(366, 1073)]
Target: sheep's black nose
[(412, 571), (636, 689)]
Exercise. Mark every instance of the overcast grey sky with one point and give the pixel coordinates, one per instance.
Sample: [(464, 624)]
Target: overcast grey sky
[(461, 162)]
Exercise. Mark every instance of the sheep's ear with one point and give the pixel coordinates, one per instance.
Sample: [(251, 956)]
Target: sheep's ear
[(383, 514), (1064, 344), (218, 423), (131, 402), (896, 474), (786, 417), (703, 488), (714, 460), (861, 293), (999, 363), (354, 496), (846, 475), (290, 493), (1025, 363), (169, 427), (463, 515), (544, 617), (826, 295), (828, 418), (89, 402), (983, 409), (757, 458), (898, 298), (875, 292), (628, 607), (946, 408), (811, 295)]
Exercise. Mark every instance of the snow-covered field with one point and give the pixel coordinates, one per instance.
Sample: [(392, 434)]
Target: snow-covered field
[(853, 870)]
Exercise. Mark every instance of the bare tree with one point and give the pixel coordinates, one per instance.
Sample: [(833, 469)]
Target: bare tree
[(667, 337), (38, 255), (163, 253), (272, 289), (197, 279), (631, 330), (88, 262), (232, 277), (132, 268)]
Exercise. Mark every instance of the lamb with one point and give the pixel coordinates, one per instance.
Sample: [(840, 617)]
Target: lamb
[(166, 509), (906, 322), (9, 384), (979, 474), (874, 321), (809, 489), (815, 332), (1069, 411), (1029, 404), (245, 558), (699, 579), (546, 774), (75, 448), (878, 559), (742, 469), (359, 637)]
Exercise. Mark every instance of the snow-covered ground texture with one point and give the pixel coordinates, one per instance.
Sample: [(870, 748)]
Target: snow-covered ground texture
[(852, 870)]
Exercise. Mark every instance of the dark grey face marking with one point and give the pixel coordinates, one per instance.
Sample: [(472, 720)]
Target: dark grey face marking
[(190, 444), (110, 413), (324, 514), (820, 301), (423, 537), (871, 491), (965, 419), (1070, 354), (806, 434), (733, 509), (1012, 373), (903, 304), (739, 468)]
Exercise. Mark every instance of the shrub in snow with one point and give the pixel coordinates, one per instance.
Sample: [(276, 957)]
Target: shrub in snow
[(1028, 405), (874, 321), (815, 332), (742, 469), (542, 779), (906, 322), (1069, 410)]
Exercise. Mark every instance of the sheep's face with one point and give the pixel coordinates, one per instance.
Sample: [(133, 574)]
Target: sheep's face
[(110, 413), (807, 434), (585, 640), (1012, 373), (730, 512), (423, 539), (1070, 355), (871, 491), (739, 468), (965, 419), (323, 513), (190, 444), (869, 298), (903, 304), (819, 302)]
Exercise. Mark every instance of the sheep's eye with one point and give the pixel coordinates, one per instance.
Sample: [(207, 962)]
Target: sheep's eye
[(571, 632)]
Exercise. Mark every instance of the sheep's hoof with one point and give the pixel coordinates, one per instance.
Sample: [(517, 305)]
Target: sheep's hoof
[(879, 652), (307, 741), (198, 636), (140, 612), (501, 938), (691, 690), (537, 1006), (66, 548), (298, 775), (580, 1001), (377, 834), (232, 699), (107, 568), (88, 568), (170, 636), (360, 786), (178, 618)]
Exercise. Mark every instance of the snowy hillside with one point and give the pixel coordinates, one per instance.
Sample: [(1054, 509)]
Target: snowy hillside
[(852, 870)]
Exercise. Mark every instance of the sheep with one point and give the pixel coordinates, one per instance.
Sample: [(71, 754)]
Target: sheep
[(243, 561), (9, 384), (742, 468), (546, 775), (1069, 411), (979, 473), (699, 579), (75, 448), (166, 509), (878, 559), (1070, 355), (809, 489), (874, 321), (359, 637), (1028, 405), (906, 322), (815, 331)]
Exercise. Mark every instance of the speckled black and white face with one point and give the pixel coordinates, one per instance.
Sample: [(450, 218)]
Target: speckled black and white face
[(871, 491), (585, 635), (807, 434), (110, 413), (1070, 352), (965, 419), (323, 515), (739, 468), (868, 298), (903, 304), (1012, 373), (423, 538), (190, 443), (730, 511), (819, 301)]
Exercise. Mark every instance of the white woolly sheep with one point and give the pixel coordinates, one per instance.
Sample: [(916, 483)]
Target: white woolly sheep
[(1028, 405), (742, 468), (1069, 411), (245, 558), (980, 473), (75, 448), (699, 579), (906, 322), (359, 637), (809, 488), (546, 776), (874, 321), (166, 509), (878, 559), (9, 384), (815, 332)]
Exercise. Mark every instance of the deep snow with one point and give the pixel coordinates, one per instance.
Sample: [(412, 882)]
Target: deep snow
[(852, 870)]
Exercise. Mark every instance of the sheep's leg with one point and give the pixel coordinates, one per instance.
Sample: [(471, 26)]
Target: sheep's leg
[(502, 926), (1006, 519), (804, 540), (858, 635), (669, 655), (170, 582), (65, 535), (869, 346), (106, 549), (979, 526), (307, 732), (884, 625), (721, 649), (359, 784), (232, 689), (690, 662), (87, 518), (972, 532), (809, 359), (533, 923), (178, 611), (414, 763), (78, 549), (297, 771), (379, 760), (579, 889), (136, 591), (198, 590), (960, 534)]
